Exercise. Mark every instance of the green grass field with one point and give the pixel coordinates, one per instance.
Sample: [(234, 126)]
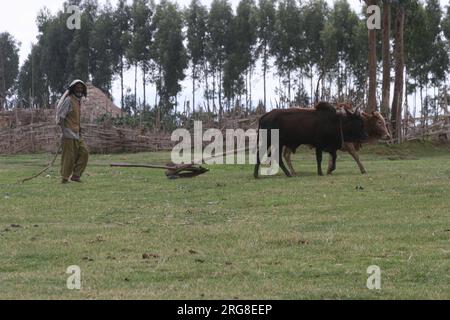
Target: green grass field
[(225, 235)]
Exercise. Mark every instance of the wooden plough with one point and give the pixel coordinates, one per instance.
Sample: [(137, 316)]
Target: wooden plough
[(173, 171)]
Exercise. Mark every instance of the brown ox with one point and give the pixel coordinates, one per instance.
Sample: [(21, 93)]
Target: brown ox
[(375, 127), (323, 127)]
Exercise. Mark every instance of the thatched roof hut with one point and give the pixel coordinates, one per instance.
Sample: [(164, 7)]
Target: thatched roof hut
[(94, 106), (98, 104)]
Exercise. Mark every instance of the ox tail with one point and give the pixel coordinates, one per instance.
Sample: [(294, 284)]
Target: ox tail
[(258, 160)]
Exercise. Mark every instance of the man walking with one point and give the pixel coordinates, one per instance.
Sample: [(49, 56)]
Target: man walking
[(68, 116)]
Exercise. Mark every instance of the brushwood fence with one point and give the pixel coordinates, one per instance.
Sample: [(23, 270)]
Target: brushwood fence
[(438, 129), (42, 137), (33, 131)]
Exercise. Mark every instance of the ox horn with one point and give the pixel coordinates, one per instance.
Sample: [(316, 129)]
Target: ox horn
[(341, 112), (348, 112)]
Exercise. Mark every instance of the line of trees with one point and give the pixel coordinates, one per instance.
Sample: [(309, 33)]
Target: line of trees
[(312, 50)]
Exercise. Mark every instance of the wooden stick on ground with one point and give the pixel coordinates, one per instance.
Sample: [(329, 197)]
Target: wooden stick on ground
[(46, 168), (173, 171)]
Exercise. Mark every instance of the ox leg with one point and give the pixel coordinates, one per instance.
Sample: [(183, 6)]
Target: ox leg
[(257, 165), (332, 162), (258, 151), (282, 166), (354, 154), (319, 161), (287, 153), (256, 171)]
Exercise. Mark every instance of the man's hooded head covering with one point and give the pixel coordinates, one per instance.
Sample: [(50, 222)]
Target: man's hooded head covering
[(74, 83)]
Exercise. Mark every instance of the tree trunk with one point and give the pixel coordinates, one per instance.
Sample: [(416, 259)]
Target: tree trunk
[(396, 116), (264, 78), (214, 93), (426, 107), (193, 87), (330, 83), (144, 82), (311, 75), (207, 88), (322, 95), (220, 91), (346, 85), (316, 95), (406, 111), (372, 99), (246, 91), (122, 102), (250, 88), (158, 105), (289, 89), (156, 96), (339, 84), (422, 112), (415, 101), (386, 88), (281, 93), (135, 86), (445, 101)]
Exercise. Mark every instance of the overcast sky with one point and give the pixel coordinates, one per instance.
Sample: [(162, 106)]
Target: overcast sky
[(18, 17)]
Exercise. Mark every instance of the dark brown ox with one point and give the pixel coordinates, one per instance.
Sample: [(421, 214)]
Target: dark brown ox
[(375, 128), (323, 128)]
